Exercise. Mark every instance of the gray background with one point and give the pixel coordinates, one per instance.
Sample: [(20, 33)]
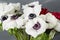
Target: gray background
[(52, 5)]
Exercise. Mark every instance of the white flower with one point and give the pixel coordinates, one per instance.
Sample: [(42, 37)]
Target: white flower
[(27, 12), (2, 5), (33, 3), (9, 9), (8, 24), (35, 27), (16, 6), (43, 17), (51, 20), (35, 6), (57, 28), (20, 22), (31, 8)]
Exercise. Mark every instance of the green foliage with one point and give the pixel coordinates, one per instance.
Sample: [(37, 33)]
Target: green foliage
[(1, 27), (51, 35), (43, 36), (20, 34)]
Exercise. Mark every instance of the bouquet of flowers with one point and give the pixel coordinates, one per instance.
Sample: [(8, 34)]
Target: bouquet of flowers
[(29, 22)]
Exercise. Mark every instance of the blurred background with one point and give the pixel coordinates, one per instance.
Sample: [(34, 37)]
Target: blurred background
[(51, 5)]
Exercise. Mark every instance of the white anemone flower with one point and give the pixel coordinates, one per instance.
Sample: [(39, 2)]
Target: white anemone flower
[(35, 27), (30, 4), (9, 9), (43, 17), (16, 6), (31, 12), (2, 5), (57, 28), (51, 20), (27, 12), (20, 22), (13, 21), (8, 24), (34, 5)]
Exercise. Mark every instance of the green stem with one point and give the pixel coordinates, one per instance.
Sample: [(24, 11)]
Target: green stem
[(21, 35)]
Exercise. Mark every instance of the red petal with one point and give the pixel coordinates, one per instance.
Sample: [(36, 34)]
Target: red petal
[(56, 14), (44, 11)]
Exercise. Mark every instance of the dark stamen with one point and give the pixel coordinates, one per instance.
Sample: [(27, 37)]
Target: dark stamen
[(15, 16), (4, 18), (15, 11), (37, 26), (31, 16), (32, 6), (47, 22)]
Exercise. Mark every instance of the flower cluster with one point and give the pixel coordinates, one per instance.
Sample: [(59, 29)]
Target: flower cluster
[(34, 19)]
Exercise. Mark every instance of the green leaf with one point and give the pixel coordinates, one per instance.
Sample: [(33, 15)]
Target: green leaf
[(1, 27), (43, 36), (20, 34), (51, 35)]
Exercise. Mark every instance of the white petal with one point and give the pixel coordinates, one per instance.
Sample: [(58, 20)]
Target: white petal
[(57, 28), (33, 3), (43, 17), (9, 9), (2, 5), (32, 32), (29, 27), (7, 24), (52, 20), (20, 22), (43, 25), (37, 9), (16, 6), (26, 12)]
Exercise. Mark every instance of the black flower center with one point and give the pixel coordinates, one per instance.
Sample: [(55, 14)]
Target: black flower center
[(4, 18), (37, 26), (47, 22), (31, 16), (32, 6), (15, 16), (15, 11)]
